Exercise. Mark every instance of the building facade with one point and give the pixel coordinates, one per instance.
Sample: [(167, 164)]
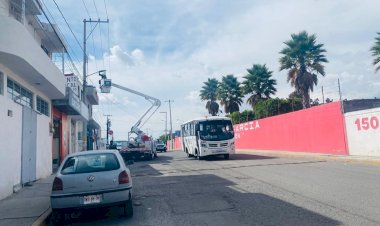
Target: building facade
[(41, 117)]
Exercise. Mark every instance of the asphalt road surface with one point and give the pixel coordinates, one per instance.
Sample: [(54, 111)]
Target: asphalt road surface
[(248, 190)]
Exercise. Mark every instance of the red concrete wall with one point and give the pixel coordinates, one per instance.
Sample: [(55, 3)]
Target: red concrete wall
[(318, 129), (177, 143)]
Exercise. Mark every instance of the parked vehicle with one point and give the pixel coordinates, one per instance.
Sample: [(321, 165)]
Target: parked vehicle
[(161, 147), (140, 145), (139, 150), (208, 136), (91, 179), (121, 144)]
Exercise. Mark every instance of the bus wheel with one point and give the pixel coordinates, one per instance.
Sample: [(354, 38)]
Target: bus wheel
[(227, 156), (189, 155), (199, 157)]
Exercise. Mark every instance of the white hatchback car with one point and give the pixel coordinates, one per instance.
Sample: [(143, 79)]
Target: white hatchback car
[(92, 179)]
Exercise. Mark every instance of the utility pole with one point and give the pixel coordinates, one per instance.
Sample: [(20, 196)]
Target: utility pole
[(340, 98), (323, 96), (166, 124), (85, 37), (340, 92), (171, 124), (108, 124)]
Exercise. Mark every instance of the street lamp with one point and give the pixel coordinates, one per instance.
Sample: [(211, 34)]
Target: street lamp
[(101, 73), (166, 124)]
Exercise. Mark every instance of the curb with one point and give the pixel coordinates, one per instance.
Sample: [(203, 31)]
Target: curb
[(41, 219), (341, 158)]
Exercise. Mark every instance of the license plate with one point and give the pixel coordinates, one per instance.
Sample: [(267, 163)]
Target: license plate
[(218, 151), (90, 199)]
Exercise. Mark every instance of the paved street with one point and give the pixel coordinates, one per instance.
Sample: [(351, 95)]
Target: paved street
[(249, 190)]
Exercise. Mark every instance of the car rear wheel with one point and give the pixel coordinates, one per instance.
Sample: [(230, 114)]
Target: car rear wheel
[(58, 217), (128, 208)]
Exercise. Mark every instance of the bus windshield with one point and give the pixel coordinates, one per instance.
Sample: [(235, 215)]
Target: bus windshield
[(216, 130)]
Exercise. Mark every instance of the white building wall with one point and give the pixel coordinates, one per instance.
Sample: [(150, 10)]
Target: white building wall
[(10, 143), (11, 137), (31, 29), (363, 132), (29, 53), (4, 8), (44, 147)]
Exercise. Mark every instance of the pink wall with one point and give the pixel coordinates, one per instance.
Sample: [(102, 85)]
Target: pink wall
[(177, 143), (319, 129)]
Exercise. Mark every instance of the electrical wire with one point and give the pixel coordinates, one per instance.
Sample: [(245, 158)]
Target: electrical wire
[(105, 6), (68, 25), (70, 47), (96, 8), (84, 4)]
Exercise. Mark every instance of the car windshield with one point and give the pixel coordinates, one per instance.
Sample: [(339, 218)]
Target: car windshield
[(216, 130), (90, 163)]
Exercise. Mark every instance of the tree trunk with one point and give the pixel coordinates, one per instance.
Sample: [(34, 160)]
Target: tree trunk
[(305, 99)]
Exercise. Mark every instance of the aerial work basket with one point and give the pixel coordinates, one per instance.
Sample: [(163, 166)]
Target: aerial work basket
[(105, 85)]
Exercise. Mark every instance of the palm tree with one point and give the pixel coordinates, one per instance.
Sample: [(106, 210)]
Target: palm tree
[(258, 82), (209, 92), (303, 57), (229, 94), (376, 52)]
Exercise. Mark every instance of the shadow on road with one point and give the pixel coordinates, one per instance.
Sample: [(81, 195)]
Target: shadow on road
[(205, 199), (239, 157), (211, 200)]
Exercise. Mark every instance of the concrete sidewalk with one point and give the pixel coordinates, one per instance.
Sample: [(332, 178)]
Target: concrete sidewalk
[(29, 206), (344, 158)]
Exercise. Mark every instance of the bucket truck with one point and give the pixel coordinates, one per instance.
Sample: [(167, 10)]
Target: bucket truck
[(139, 145)]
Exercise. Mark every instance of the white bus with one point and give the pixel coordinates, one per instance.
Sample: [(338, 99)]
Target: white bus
[(208, 136)]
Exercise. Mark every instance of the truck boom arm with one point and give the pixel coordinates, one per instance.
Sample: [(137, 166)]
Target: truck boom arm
[(154, 101)]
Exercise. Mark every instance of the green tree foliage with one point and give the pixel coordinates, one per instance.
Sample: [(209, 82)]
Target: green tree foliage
[(245, 116), (229, 94), (164, 138), (272, 107), (303, 57), (376, 52), (209, 93), (259, 84)]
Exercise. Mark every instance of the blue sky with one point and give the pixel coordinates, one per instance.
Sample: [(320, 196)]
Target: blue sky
[(167, 49)]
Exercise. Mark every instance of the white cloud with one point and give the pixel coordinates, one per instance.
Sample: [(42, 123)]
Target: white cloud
[(138, 54), (193, 96)]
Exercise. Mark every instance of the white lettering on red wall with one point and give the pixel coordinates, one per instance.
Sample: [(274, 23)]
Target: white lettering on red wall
[(247, 126)]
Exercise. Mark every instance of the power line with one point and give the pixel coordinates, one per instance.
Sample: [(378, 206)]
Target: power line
[(47, 18), (86, 9), (93, 46), (105, 6), (109, 51), (70, 47), (96, 8), (101, 43), (68, 25)]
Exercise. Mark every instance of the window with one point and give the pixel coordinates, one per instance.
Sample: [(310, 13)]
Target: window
[(90, 163), (42, 106), (19, 94), (1, 83)]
